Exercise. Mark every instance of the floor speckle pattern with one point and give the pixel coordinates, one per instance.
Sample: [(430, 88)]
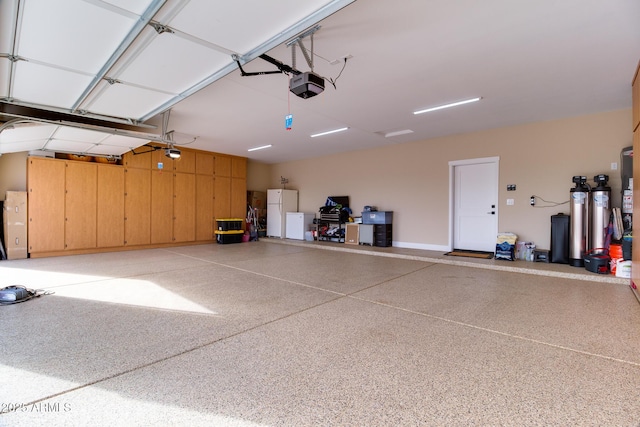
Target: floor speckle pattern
[(289, 333)]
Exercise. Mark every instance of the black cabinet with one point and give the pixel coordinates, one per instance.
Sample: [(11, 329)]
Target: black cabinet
[(382, 235), (382, 228)]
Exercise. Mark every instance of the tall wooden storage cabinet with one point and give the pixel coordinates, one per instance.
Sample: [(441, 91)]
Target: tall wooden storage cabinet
[(137, 207), (184, 207), (81, 189), (110, 206), (161, 206), (46, 204), (231, 187), (238, 187), (205, 196), (149, 201)]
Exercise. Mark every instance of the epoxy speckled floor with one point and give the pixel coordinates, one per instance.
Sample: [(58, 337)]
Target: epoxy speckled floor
[(282, 333)]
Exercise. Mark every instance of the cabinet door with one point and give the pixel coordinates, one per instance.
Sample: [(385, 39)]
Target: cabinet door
[(204, 164), (110, 205), (184, 207), (239, 167), (46, 181), (137, 207), (205, 218), (142, 160), (222, 197), (186, 163), (238, 202), (81, 205), (161, 206), (223, 165)]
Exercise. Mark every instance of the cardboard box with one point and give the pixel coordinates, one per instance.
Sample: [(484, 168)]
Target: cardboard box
[(15, 224), (257, 199)]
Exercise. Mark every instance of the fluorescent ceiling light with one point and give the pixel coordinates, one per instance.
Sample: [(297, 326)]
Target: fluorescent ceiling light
[(453, 104), (328, 132), (259, 148), (397, 133)]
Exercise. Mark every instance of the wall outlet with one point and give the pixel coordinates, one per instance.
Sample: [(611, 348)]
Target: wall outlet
[(510, 202), (533, 201)]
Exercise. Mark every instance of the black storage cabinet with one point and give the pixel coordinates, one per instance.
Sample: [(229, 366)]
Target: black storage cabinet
[(559, 252), (382, 228)]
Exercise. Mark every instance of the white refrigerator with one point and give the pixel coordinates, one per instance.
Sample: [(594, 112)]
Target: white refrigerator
[(279, 202)]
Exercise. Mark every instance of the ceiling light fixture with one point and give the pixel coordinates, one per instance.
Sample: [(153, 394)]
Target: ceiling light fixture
[(259, 148), (329, 132), (453, 104), (397, 133)]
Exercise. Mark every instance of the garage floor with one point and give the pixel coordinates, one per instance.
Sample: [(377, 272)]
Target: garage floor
[(280, 333)]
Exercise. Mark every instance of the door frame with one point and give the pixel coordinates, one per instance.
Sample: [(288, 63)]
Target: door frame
[(452, 165)]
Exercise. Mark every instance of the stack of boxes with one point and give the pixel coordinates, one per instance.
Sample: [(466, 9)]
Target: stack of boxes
[(15, 224)]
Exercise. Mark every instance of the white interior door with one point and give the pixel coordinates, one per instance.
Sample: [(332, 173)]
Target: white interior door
[(475, 204)]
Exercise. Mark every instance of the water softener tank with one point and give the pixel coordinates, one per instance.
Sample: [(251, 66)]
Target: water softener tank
[(600, 212), (579, 221)]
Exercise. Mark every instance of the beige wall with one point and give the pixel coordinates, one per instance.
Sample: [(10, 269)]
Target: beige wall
[(258, 176), (412, 179), (13, 173)]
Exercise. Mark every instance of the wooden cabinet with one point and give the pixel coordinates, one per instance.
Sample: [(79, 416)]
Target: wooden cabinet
[(184, 207), (81, 205), (239, 167), (137, 207), (110, 206), (223, 165), (161, 206), (141, 161), (149, 201), (205, 211), (74, 205), (205, 196), (231, 187), (186, 163), (222, 207), (205, 164), (46, 183)]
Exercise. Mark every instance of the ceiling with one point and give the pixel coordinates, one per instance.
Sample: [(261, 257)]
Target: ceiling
[(99, 74)]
